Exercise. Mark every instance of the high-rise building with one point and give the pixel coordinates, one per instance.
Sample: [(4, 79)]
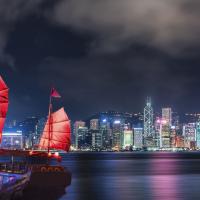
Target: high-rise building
[(81, 138), (158, 127), (94, 124), (96, 139), (96, 134), (39, 129), (198, 134), (138, 137), (117, 134), (106, 132), (173, 137), (179, 141), (148, 123), (167, 115), (189, 133), (29, 131), (166, 127), (12, 140), (127, 139), (77, 126)]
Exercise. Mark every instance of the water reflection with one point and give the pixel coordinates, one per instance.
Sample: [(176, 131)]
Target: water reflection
[(133, 176), (164, 183)]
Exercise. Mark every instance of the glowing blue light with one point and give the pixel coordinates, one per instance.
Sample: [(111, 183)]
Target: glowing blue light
[(104, 120), (117, 122)]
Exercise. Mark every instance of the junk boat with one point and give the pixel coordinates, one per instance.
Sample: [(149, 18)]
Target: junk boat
[(56, 137), (13, 176), (39, 173)]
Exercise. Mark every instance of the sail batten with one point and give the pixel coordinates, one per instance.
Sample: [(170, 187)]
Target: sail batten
[(57, 132), (3, 104)]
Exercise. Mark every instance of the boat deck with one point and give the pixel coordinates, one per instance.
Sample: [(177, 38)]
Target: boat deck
[(13, 179)]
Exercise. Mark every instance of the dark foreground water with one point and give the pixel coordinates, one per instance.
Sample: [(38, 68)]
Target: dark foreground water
[(128, 176)]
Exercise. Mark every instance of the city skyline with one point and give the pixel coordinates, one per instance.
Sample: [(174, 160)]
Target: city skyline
[(114, 131), (158, 112)]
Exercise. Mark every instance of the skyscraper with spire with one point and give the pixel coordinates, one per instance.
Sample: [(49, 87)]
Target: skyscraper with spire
[(148, 123)]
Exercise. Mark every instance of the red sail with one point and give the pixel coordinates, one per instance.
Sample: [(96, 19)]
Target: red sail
[(60, 132), (3, 104)]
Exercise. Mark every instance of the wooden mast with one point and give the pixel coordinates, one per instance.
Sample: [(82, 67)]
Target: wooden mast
[(50, 123)]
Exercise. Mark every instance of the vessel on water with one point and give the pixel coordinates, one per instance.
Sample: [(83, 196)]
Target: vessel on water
[(40, 173), (56, 137), (13, 176)]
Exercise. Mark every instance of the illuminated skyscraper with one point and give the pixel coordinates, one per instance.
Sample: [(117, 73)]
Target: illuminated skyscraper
[(189, 133), (106, 132), (29, 131), (94, 124), (96, 139), (166, 127), (167, 115), (198, 134), (77, 126), (148, 123), (127, 139), (12, 140), (81, 138), (117, 134), (138, 140)]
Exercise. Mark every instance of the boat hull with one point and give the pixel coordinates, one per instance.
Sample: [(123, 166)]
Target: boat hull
[(47, 182)]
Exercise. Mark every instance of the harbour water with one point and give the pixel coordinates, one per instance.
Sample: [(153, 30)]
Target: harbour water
[(128, 176)]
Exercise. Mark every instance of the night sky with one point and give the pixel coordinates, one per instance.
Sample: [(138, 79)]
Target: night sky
[(100, 55)]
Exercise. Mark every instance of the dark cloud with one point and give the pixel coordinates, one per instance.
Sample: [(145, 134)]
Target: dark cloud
[(170, 25), (10, 12)]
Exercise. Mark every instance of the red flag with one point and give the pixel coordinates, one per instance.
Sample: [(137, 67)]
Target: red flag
[(54, 93)]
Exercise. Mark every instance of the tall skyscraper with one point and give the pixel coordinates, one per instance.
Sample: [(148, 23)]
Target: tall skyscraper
[(166, 127), (127, 138), (138, 140), (189, 133), (106, 132), (40, 128), (117, 134), (167, 115), (198, 134), (29, 131), (148, 123), (81, 138), (96, 139), (94, 124), (77, 126)]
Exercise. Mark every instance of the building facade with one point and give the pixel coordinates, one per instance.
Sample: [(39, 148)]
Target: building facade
[(12, 140), (138, 137), (189, 133), (148, 123), (76, 127)]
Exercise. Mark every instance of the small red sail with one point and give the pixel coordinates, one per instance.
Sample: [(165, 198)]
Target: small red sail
[(57, 132), (3, 104)]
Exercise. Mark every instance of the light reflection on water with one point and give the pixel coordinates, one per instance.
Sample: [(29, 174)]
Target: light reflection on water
[(127, 179), (165, 184)]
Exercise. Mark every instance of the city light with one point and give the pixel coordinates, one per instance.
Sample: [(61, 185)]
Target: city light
[(161, 121), (117, 122)]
